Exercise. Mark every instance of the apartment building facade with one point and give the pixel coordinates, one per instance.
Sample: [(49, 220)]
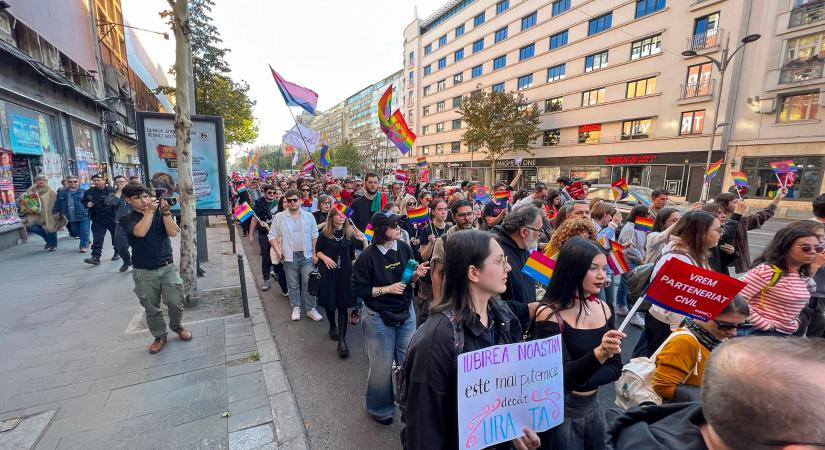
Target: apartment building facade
[(616, 97), (331, 124)]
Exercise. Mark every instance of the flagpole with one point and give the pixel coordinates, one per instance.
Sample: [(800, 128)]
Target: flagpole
[(303, 139)]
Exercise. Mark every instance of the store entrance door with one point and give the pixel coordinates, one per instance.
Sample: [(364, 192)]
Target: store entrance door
[(636, 175)]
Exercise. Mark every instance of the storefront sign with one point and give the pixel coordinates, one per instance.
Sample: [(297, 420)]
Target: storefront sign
[(504, 388), (630, 159), (589, 128), (156, 134), (506, 163)]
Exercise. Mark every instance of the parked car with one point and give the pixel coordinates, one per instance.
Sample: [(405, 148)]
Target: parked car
[(637, 195)]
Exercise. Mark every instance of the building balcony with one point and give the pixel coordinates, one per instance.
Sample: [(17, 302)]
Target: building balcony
[(695, 92), (798, 71), (808, 13), (709, 40)]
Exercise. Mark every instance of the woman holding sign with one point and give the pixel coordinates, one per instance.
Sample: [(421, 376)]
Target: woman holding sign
[(591, 347), (467, 319)]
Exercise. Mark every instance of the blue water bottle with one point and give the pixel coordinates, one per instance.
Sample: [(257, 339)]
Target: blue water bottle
[(409, 270)]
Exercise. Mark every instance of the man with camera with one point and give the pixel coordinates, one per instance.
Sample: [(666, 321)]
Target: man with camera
[(149, 227)]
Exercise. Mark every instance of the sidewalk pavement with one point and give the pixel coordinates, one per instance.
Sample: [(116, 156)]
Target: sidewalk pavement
[(76, 370)]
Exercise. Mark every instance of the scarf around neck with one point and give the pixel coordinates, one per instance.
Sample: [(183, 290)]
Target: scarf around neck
[(708, 340)]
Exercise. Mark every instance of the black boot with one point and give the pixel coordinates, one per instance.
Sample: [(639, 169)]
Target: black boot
[(94, 260), (333, 332), (343, 350)]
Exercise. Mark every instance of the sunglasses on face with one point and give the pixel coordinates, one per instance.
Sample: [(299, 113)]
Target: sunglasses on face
[(810, 249), (723, 326), (291, 200), (270, 192)]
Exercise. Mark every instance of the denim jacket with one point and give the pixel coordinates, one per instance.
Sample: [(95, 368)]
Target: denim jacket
[(64, 196)]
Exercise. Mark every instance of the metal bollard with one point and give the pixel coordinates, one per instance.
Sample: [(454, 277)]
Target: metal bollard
[(230, 222), (242, 275)]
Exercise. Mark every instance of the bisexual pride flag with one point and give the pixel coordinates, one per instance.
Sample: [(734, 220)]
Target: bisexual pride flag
[(295, 95)]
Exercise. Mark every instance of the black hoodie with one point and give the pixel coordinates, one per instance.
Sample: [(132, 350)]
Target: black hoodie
[(668, 427), (521, 289)]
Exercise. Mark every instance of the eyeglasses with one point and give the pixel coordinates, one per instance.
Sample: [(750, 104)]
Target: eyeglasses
[(809, 249), (270, 192), (292, 200), (73, 182), (463, 215), (501, 261), (304, 190), (729, 326), (537, 230)]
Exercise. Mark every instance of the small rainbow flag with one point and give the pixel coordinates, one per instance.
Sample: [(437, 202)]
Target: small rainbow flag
[(243, 212), (241, 188), (643, 224), (418, 215), (422, 161), (785, 166), (503, 195), (615, 259), (482, 194), (342, 208), (539, 267), (739, 179), (401, 175), (308, 166), (369, 232), (619, 188), (713, 169)]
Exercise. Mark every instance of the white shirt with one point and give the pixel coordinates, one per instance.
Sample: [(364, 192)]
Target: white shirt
[(384, 250), (283, 227)]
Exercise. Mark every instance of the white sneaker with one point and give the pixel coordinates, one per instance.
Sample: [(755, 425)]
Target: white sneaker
[(314, 315), (296, 313), (637, 320), (621, 310)]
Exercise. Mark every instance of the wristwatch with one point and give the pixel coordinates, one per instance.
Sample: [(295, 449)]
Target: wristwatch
[(380, 291)]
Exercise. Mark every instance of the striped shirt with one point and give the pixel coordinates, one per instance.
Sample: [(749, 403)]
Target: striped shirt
[(778, 307)]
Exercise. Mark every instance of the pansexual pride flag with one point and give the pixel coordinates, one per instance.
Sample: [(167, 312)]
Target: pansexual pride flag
[(539, 267), (739, 179), (295, 95), (418, 215), (643, 224), (369, 232), (243, 212)]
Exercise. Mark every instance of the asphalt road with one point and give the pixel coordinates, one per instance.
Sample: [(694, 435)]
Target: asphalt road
[(330, 391)]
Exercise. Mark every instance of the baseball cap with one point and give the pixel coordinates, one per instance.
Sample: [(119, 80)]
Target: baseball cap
[(385, 218)]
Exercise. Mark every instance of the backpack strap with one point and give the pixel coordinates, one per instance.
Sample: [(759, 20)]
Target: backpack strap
[(695, 370), (775, 277), (458, 331)]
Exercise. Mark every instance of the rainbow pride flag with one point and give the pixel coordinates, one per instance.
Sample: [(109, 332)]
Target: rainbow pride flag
[(418, 215), (400, 133), (713, 169), (643, 224), (539, 267), (241, 188), (739, 179), (785, 166), (619, 189), (243, 212), (384, 111), (504, 195), (343, 209), (369, 232), (615, 259), (422, 161)]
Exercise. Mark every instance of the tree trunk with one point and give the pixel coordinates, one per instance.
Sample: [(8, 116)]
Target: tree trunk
[(183, 127)]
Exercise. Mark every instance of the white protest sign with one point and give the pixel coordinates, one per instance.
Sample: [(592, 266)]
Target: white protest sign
[(339, 171), (504, 388)]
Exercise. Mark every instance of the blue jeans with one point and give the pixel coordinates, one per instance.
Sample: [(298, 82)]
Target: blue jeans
[(297, 276), (81, 229), (608, 294), (384, 344), (624, 283), (50, 238)]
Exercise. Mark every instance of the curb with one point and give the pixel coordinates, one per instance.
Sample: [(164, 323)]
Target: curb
[(290, 432)]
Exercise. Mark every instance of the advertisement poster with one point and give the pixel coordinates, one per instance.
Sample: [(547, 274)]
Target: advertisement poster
[(504, 388), (85, 151), (157, 145), (53, 169), (24, 134), (8, 205)]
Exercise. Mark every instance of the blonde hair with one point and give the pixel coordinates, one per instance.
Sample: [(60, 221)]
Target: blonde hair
[(329, 226), (404, 202)]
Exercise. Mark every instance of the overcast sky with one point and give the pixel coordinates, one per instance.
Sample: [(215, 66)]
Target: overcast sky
[(334, 47)]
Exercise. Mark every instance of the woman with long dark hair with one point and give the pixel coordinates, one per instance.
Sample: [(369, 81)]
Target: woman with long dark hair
[(777, 285), (428, 235), (591, 347), (475, 271), (660, 233)]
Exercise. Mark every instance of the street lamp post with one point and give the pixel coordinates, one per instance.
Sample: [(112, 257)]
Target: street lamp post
[(722, 66)]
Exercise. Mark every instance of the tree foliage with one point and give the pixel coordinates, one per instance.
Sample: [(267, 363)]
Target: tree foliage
[(346, 154), (499, 123)]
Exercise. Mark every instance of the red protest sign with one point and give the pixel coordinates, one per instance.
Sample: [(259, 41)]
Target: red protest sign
[(576, 190), (693, 291)]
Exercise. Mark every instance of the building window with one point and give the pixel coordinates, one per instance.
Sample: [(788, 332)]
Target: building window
[(798, 107), (439, 149), (439, 127), (500, 62), (763, 182), (459, 30), (455, 147), (441, 85), (593, 97), (636, 129), (560, 6), (590, 134), (526, 52), (640, 88), (498, 87), (458, 78), (553, 104), (457, 102), (595, 61), (478, 20), (502, 6), (698, 80), (559, 39), (425, 150), (427, 70), (442, 41), (692, 122), (458, 55), (646, 47), (500, 35), (478, 45), (805, 47), (556, 73), (410, 115), (425, 130), (705, 32), (425, 111), (412, 77), (428, 49), (550, 137), (442, 63), (599, 24), (529, 21), (476, 71), (410, 96), (645, 7), (525, 81), (412, 58), (456, 124), (440, 106), (427, 90)]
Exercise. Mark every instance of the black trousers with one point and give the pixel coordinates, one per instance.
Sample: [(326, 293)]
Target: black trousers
[(99, 229), (122, 244), (266, 262)]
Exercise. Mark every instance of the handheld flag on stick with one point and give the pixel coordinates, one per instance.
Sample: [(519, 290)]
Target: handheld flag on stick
[(616, 260), (401, 175), (241, 188), (503, 195), (308, 166), (780, 167), (740, 179), (418, 215), (243, 212), (643, 224), (295, 95), (619, 188), (539, 267), (422, 161), (342, 208), (713, 169), (369, 232), (576, 190)]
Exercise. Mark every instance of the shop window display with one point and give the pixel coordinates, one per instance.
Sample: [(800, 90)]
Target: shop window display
[(8, 204), (764, 183)]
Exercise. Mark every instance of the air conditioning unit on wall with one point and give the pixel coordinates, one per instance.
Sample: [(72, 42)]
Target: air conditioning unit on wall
[(767, 106)]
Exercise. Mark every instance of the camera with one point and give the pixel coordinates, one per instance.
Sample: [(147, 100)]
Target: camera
[(160, 192)]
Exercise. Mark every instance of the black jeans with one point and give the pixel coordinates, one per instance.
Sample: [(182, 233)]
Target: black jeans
[(99, 229), (266, 262), (122, 245)]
